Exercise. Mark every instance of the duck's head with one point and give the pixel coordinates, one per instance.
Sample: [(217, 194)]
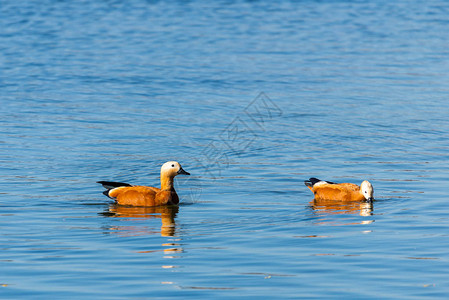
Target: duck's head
[(172, 168), (367, 190)]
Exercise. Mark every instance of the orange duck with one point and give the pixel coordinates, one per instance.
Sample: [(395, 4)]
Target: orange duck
[(138, 195), (326, 190)]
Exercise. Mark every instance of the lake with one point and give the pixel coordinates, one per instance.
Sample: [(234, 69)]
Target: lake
[(252, 98)]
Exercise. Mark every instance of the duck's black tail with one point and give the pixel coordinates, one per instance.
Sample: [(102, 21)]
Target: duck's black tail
[(109, 185), (311, 181)]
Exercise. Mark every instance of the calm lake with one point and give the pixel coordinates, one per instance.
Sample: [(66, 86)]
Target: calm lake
[(252, 98)]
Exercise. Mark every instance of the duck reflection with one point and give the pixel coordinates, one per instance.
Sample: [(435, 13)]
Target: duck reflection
[(347, 207), (167, 214)]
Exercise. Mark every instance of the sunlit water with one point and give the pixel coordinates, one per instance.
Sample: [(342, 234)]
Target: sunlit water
[(252, 98)]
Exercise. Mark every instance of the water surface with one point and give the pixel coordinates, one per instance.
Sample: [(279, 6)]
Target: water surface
[(253, 98)]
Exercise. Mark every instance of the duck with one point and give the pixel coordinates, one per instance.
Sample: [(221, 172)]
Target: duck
[(327, 190), (139, 195)]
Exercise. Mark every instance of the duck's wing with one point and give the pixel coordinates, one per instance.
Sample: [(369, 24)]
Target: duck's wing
[(333, 191), (350, 186), (134, 195)]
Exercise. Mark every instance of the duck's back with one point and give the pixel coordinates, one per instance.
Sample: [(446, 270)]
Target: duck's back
[(342, 191)]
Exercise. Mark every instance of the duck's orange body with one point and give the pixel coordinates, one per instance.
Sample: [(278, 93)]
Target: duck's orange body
[(126, 194), (143, 196), (325, 190)]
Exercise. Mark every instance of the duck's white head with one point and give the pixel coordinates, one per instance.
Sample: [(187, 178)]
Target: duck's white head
[(367, 190), (172, 168)]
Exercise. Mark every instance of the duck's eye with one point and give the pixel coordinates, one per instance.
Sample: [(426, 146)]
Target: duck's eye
[(174, 166), (366, 192)]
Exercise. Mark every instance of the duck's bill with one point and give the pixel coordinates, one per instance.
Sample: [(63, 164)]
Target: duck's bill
[(181, 171)]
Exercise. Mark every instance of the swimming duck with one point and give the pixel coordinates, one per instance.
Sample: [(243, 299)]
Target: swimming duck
[(138, 195), (327, 190)]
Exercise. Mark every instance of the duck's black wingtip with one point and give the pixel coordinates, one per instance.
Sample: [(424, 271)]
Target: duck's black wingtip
[(312, 181), (111, 184)]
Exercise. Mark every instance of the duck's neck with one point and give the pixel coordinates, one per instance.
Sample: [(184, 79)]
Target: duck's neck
[(167, 183)]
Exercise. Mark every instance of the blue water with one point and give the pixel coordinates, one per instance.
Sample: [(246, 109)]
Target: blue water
[(252, 98)]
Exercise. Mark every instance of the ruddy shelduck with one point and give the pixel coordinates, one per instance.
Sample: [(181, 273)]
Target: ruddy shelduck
[(139, 195), (326, 190)]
